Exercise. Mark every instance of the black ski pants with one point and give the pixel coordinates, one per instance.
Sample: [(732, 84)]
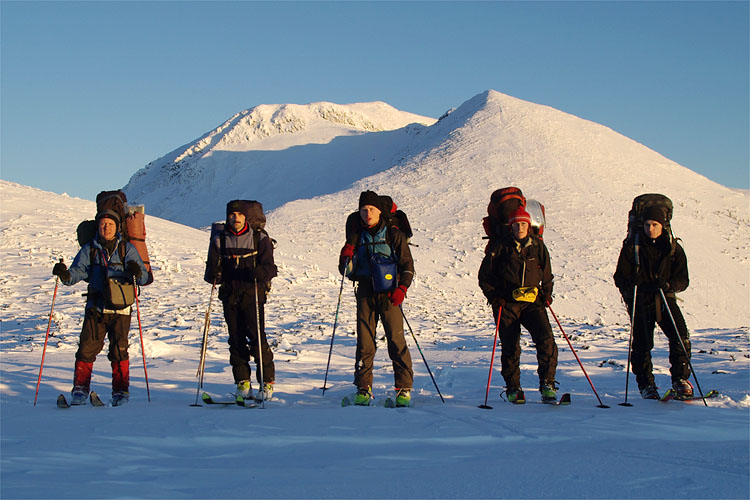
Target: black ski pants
[(643, 338), (240, 315), (534, 318), (96, 327), (371, 307)]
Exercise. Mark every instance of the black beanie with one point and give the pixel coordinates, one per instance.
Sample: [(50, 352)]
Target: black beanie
[(241, 206), (110, 214), (655, 213), (370, 198)]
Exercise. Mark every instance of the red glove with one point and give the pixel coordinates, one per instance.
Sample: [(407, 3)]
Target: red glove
[(398, 295), (347, 251)]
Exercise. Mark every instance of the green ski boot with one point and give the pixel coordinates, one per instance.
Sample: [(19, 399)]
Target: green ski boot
[(403, 398), (549, 392), (363, 397), (516, 396)]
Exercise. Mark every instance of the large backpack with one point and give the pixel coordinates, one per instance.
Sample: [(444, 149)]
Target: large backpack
[(502, 203), (256, 219), (132, 227), (636, 220), (394, 218)]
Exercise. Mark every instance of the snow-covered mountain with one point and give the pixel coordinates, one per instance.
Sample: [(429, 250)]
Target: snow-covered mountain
[(275, 153), (443, 174)]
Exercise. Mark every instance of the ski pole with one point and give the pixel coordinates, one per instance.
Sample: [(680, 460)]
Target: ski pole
[(46, 337), (257, 328), (636, 248), (492, 360), (682, 344), (202, 363), (421, 354), (335, 322), (630, 344), (601, 405), (140, 331)]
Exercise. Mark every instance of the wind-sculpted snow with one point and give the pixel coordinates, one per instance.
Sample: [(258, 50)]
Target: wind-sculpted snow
[(304, 445)]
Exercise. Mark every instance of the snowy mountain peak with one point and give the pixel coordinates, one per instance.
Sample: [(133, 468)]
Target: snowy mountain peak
[(236, 144)]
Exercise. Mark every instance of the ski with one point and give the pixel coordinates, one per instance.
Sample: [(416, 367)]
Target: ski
[(563, 401), (96, 400), (672, 395), (209, 400), (62, 402), (349, 401), (246, 403), (391, 403)]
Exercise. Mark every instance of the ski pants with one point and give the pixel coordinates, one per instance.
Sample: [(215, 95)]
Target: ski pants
[(534, 318), (97, 325), (370, 307), (643, 338), (240, 315)]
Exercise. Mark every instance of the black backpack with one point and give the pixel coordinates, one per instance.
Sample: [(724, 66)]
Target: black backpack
[(256, 219), (394, 218), (636, 220)]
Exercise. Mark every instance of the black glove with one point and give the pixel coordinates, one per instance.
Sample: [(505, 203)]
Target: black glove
[(663, 284), (61, 270), (656, 285), (133, 268), (496, 301), (546, 298)]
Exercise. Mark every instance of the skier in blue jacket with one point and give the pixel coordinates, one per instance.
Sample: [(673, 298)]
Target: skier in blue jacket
[(107, 257)]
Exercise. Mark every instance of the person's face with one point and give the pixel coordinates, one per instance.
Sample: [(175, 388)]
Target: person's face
[(652, 229), (237, 221), (520, 229), (107, 228), (370, 215)]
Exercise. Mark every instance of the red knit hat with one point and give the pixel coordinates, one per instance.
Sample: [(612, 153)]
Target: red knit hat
[(519, 215)]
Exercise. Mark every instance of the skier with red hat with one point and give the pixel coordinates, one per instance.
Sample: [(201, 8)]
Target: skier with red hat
[(517, 280)]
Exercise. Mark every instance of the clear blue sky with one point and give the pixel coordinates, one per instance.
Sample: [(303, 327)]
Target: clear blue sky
[(92, 91)]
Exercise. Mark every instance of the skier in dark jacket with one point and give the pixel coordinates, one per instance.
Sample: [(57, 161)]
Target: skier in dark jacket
[(238, 258), (376, 237), (659, 269), (106, 257), (516, 278)]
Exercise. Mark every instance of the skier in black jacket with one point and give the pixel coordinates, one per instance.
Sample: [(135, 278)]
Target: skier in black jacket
[(660, 268), (517, 280), (238, 258)]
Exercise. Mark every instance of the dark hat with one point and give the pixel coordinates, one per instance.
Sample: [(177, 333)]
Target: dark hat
[(370, 198), (241, 206), (110, 214), (519, 215), (655, 213)]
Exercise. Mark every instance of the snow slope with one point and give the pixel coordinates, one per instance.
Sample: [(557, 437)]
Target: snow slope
[(303, 445)]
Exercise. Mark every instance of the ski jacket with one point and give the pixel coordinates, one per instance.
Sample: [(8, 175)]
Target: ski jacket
[(385, 240), (236, 260), (95, 264), (659, 268), (511, 264)]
